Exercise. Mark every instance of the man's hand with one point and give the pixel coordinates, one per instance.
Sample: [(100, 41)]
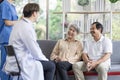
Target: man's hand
[(88, 66), (91, 65)]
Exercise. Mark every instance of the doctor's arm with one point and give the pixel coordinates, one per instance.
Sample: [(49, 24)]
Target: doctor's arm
[(31, 44)]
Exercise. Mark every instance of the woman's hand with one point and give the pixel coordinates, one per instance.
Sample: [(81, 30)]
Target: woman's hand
[(57, 59)]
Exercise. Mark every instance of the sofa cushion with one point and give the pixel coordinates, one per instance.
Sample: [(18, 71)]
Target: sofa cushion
[(46, 46), (115, 68), (115, 57)]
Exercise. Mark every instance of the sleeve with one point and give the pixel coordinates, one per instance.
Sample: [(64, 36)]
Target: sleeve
[(108, 46), (29, 39), (79, 51), (85, 49), (55, 51), (6, 13)]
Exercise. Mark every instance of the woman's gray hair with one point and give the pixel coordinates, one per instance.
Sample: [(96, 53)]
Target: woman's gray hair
[(75, 27)]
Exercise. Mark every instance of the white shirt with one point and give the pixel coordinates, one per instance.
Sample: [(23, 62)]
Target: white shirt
[(96, 50), (23, 38)]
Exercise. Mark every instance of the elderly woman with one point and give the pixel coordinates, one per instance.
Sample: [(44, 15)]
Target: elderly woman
[(67, 52)]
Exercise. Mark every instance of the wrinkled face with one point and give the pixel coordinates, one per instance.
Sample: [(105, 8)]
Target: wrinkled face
[(94, 31), (71, 33)]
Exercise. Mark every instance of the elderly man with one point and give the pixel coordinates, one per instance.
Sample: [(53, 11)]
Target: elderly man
[(96, 54)]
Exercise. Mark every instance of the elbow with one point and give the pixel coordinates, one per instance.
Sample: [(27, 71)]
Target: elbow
[(8, 23)]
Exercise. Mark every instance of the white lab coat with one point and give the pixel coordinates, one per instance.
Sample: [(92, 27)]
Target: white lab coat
[(23, 38)]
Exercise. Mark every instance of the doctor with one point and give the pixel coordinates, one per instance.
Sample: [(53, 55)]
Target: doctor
[(30, 57), (8, 17)]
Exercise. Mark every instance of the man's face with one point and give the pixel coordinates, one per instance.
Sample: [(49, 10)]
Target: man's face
[(36, 14), (94, 31)]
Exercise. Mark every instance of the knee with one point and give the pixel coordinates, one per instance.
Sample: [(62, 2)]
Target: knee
[(74, 66), (102, 69), (59, 65), (52, 65)]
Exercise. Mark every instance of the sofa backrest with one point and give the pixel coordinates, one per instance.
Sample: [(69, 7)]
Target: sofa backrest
[(47, 46), (115, 57)]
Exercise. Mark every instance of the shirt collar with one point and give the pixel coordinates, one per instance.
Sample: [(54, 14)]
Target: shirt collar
[(27, 20), (101, 39), (67, 40)]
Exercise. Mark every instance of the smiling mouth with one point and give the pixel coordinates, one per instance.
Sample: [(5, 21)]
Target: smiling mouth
[(92, 32)]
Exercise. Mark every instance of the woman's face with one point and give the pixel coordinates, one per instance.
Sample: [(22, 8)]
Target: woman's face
[(71, 32)]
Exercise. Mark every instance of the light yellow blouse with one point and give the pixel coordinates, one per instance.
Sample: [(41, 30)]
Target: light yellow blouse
[(67, 51)]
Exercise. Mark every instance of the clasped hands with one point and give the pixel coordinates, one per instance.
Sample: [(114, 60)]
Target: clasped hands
[(91, 65)]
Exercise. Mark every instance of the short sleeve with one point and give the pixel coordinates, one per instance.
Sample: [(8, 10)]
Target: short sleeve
[(107, 46), (85, 49), (55, 51), (6, 14)]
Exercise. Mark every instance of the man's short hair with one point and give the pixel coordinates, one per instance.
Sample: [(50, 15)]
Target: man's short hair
[(30, 8), (98, 26)]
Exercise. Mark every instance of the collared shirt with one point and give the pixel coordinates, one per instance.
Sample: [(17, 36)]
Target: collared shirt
[(67, 51), (96, 50), (7, 12)]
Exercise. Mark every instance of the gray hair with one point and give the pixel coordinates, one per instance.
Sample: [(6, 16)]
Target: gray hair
[(75, 27)]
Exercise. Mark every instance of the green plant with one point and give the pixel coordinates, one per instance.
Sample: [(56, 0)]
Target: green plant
[(113, 1), (83, 2)]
